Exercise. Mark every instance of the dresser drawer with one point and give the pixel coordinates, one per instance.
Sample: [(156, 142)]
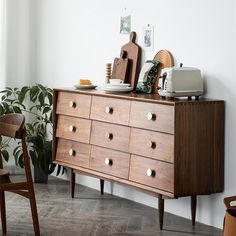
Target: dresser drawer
[(151, 172), (152, 116), (110, 110), (73, 104), (73, 128), (110, 135), (152, 144), (110, 162), (73, 152)]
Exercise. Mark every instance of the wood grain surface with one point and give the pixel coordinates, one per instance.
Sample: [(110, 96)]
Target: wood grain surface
[(120, 136), (163, 122), (152, 144), (81, 132), (121, 68), (133, 51), (73, 104), (119, 162), (164, 173), (199, 148), (165, 59), (80, 155), (120, 110)]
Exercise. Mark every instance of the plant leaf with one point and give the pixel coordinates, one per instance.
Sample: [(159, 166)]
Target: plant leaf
[(16, 109), (5, 155), (50, 98), (41, 99), (46, 109), (20, 161), (34, 93), (23, 91)]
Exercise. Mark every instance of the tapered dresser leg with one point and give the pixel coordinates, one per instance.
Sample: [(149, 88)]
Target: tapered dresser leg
[(102, 186), (193, 208), (161, 210), (72, 183)]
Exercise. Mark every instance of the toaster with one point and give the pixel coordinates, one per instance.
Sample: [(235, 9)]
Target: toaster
[(180, 82)]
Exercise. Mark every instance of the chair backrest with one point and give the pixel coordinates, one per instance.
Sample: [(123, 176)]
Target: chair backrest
[(12, 125)]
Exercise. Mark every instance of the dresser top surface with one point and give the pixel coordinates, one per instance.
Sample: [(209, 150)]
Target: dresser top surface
[(154, 98)]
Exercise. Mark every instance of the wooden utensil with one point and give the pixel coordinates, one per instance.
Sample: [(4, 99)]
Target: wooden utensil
[(134, 54), (121, 67), (165, 59), (108, 72)]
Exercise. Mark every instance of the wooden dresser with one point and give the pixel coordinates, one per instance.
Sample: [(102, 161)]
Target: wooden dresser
[(168, 148)]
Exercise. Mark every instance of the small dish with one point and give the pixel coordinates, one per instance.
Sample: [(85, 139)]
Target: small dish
[(118, 90), (85, 86), (117, 86)]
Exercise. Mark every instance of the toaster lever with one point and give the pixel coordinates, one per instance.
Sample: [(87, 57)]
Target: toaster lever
[(163, 81)]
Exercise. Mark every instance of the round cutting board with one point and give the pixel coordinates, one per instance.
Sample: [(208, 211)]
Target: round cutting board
[(165, 59)]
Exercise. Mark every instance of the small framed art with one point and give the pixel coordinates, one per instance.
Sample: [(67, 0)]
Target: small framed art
[(148, 38)]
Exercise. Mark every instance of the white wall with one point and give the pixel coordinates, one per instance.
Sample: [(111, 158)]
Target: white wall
[(19, 43), (77, 38)]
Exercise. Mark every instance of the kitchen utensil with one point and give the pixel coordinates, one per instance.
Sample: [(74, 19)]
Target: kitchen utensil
[(85, 86), (108, 72), (121, 67), (134, 54), (116, 81), (165, 59)]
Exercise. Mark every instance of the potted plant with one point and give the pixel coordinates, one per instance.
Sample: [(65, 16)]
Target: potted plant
[(36, 103)]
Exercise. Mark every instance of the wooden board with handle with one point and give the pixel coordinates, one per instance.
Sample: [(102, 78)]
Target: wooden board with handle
[(165, 59), (120, 68), (134, 54)]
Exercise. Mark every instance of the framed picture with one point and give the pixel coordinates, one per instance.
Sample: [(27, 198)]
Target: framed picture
[(125, 24), (148, 38)]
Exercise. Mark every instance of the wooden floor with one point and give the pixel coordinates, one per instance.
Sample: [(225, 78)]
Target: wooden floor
[(91, 214)]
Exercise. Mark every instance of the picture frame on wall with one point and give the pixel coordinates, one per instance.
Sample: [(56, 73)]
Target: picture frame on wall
[(125, 24), (148, 38)]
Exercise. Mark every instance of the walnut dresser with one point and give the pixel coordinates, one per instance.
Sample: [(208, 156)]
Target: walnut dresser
[(168, 148)]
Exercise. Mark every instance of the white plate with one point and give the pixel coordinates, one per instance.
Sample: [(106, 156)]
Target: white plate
[(116, 86), (85, 86), (118, 90)]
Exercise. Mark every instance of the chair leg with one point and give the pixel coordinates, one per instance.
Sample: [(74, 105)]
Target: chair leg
[(3, 212), (34, 211)]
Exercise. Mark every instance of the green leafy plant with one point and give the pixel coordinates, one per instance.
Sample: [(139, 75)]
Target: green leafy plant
[(36, 103)]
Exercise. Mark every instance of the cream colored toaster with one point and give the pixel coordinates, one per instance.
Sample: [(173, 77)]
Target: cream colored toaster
[(180, 82)]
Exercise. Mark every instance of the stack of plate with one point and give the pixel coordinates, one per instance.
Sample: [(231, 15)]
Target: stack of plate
[(117, 88)]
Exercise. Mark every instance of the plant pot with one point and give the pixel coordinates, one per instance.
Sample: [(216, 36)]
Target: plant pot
[(40, 176)]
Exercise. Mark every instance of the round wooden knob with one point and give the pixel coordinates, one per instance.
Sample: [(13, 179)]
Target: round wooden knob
[(150, 172), (109, 110), (72, 152), (151, 116), (108, 162), (72, 104), (109, 136), (72, 128), (152, 144)]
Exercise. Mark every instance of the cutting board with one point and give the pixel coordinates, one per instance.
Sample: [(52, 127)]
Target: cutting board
[(120, 68), (165, 59), (133, 51)]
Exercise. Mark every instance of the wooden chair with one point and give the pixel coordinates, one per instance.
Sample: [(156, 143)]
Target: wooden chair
[(12, 125), (229, 224)]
